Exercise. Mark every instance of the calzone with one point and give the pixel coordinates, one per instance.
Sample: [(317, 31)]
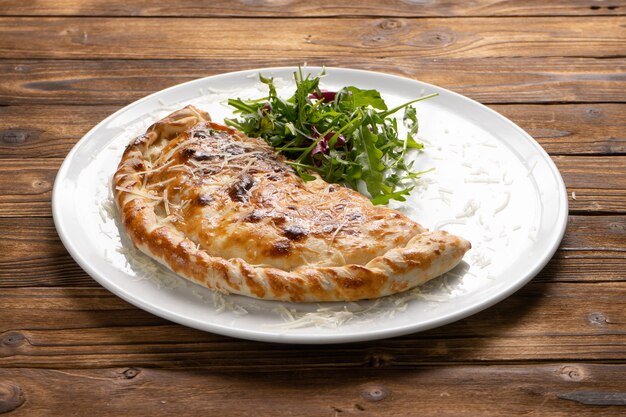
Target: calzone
[(226, 211)]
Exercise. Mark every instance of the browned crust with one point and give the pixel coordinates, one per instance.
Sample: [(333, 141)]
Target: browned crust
[(427, 255)]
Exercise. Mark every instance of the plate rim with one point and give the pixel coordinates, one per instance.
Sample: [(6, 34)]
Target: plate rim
[(307, 338)]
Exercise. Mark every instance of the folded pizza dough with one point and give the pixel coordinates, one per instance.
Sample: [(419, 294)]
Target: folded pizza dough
[(225, 211)]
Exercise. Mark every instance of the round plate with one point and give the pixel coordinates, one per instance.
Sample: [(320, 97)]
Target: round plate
[(492, 184)]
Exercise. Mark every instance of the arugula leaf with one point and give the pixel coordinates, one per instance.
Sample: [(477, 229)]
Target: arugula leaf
[(355, 97), (369, 156), (270, 83), (396, 195), (348, 136)]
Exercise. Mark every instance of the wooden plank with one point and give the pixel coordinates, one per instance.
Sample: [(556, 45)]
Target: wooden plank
[(556, 389), (594, 184), (210, 38), (592, 250), (580, 265), (32, 252), (43, 131), (34, 131), (304, 8), (597, 183), (26, 186), (33, 255), (601, 234), (488, 80), (592, 128), (68, 328)]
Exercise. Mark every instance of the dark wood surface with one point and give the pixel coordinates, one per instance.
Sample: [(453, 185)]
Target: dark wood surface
[(556, 347)]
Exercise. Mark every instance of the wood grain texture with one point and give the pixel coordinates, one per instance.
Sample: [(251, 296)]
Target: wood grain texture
[(592, 128), (179, 38), (82, 328), (32, 252), (43, 131), (597, 184), (489, 80), (555, 347), (551, 389), (594, 184), (33, 255), (304, 8), (34, 131), (26, 188)]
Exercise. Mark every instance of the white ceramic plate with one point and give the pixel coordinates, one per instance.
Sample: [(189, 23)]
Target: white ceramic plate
[(493, 184)]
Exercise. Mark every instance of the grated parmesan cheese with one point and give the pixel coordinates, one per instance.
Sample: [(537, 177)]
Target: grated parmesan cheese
[(439, 225), (482, 180), (470, 209), (166, 203), (417, 293), (153, 170), (138, 193), (481, 260), (502, 206), (161, 183)]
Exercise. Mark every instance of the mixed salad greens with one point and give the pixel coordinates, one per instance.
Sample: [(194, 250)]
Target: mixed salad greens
[(347, 136)]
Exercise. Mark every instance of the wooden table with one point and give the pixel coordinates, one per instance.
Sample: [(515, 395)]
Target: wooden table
[(557, 347)]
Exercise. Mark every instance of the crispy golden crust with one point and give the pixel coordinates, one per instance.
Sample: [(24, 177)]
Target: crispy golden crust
[(227, 212)]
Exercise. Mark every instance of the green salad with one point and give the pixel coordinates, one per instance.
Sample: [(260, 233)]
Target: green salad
[(348, 136)]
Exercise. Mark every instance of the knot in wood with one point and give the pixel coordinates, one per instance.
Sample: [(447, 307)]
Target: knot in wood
[(390, 24), (593, 113), (374, 393), (437, 37), (617, 226), (597, 319), (130, 373), (14, 136), (78, 36), (385, 33), (379, 359), (419, 2), (379, 41), (571, 373), (41, 185), (11, 396), (12, 339)]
